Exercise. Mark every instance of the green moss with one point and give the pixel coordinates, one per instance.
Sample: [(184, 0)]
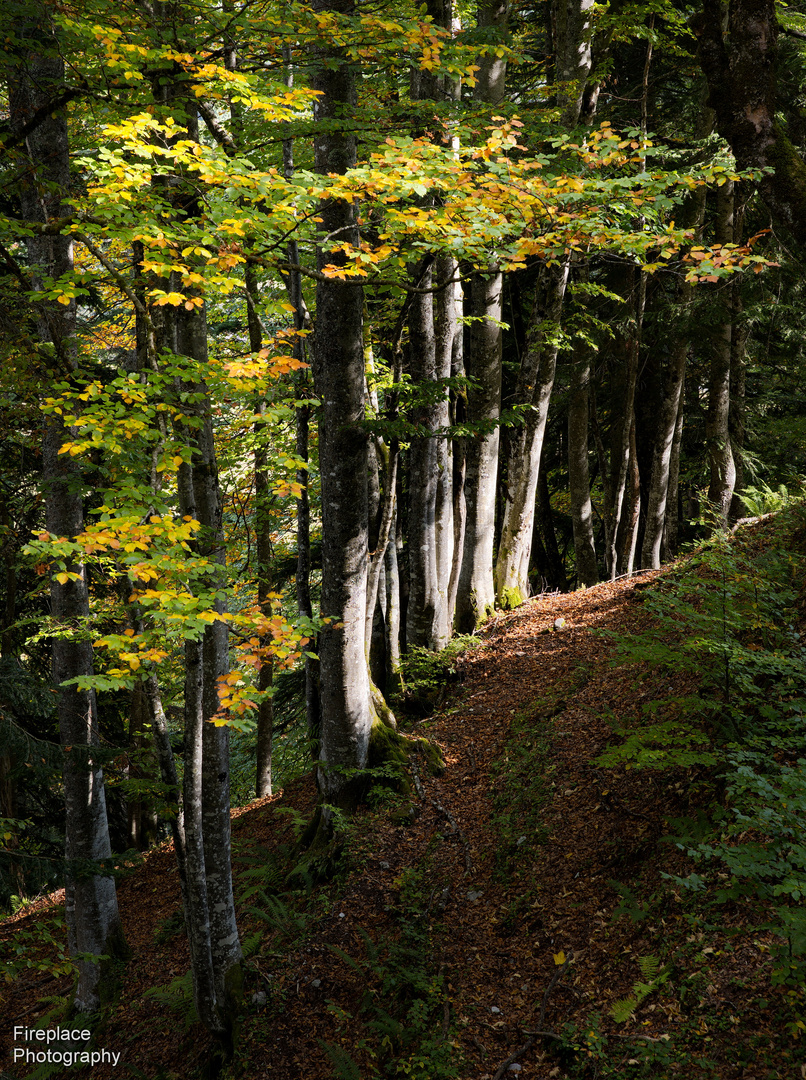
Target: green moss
[(511, 598)]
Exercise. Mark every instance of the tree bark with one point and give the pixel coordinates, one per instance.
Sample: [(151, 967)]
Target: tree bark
[(578, 473), (426, 623), (35, 80), (535, 384), (265, 716), (739, 60), (717, 421), (213, 931), (635, 284), (672, 519), (339, 383), (475, 599), (574, 58)]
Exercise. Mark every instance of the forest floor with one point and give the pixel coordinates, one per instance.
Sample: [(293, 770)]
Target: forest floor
[(483, 927)]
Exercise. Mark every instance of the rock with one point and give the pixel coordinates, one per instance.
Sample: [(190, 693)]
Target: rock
[(259, 999), (495, 1009), (559, 624)]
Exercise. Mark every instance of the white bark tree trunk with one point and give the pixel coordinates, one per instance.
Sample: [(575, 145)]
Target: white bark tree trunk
[(346, 718)]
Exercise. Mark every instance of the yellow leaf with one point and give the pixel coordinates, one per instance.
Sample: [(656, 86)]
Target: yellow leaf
[(62, 578), (559, 958)]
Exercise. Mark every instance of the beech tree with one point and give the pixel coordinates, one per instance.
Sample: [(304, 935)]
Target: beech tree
[(39, 128)]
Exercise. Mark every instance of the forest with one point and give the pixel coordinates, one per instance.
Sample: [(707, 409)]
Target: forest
[(337, 340)]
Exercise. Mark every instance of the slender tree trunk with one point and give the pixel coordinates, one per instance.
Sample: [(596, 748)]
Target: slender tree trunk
[(214, 937), (92, 910), (446, 329), (620, 458), (737, 402), (632, 511), (660, 490), (425, 622), (208, 897), (535, 384), (579, 479), (392, 582), (672, 520), (475, 599), (717, 421), (475, 596), (265, 584)]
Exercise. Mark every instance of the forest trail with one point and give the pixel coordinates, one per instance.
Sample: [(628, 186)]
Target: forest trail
[(509, 857)]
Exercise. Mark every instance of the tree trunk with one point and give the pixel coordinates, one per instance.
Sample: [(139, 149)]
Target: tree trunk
[(578, 474), (628, 534), (263, 553), (91, 905), (475, 599), (717, 421), (574, 56), (635, 284), (339, 383), (661, 492), (446, 330), (475, 596), (672, 520), (213, 931), (208, 897), (739, 61), (535, 383), (426, 623)]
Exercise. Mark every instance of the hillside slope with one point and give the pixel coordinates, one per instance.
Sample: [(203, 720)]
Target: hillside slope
[(486, 926)]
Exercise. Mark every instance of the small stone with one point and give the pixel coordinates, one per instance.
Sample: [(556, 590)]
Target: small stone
[(259, 999), (521, 840), (559, 624), (316, 982), (515, 1067), (342, 915), (383, 865), (495, 1009), (474, 894)]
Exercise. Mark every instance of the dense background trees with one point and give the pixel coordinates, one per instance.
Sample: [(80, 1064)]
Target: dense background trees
[(326, 329)]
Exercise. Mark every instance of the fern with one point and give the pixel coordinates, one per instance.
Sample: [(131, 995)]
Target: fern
[(251, 944), (650, 968), (177, 995), (344, 1067)]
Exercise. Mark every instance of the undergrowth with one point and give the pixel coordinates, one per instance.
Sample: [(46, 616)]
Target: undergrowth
[(400, 1027), (727, 626), (428, 675)]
